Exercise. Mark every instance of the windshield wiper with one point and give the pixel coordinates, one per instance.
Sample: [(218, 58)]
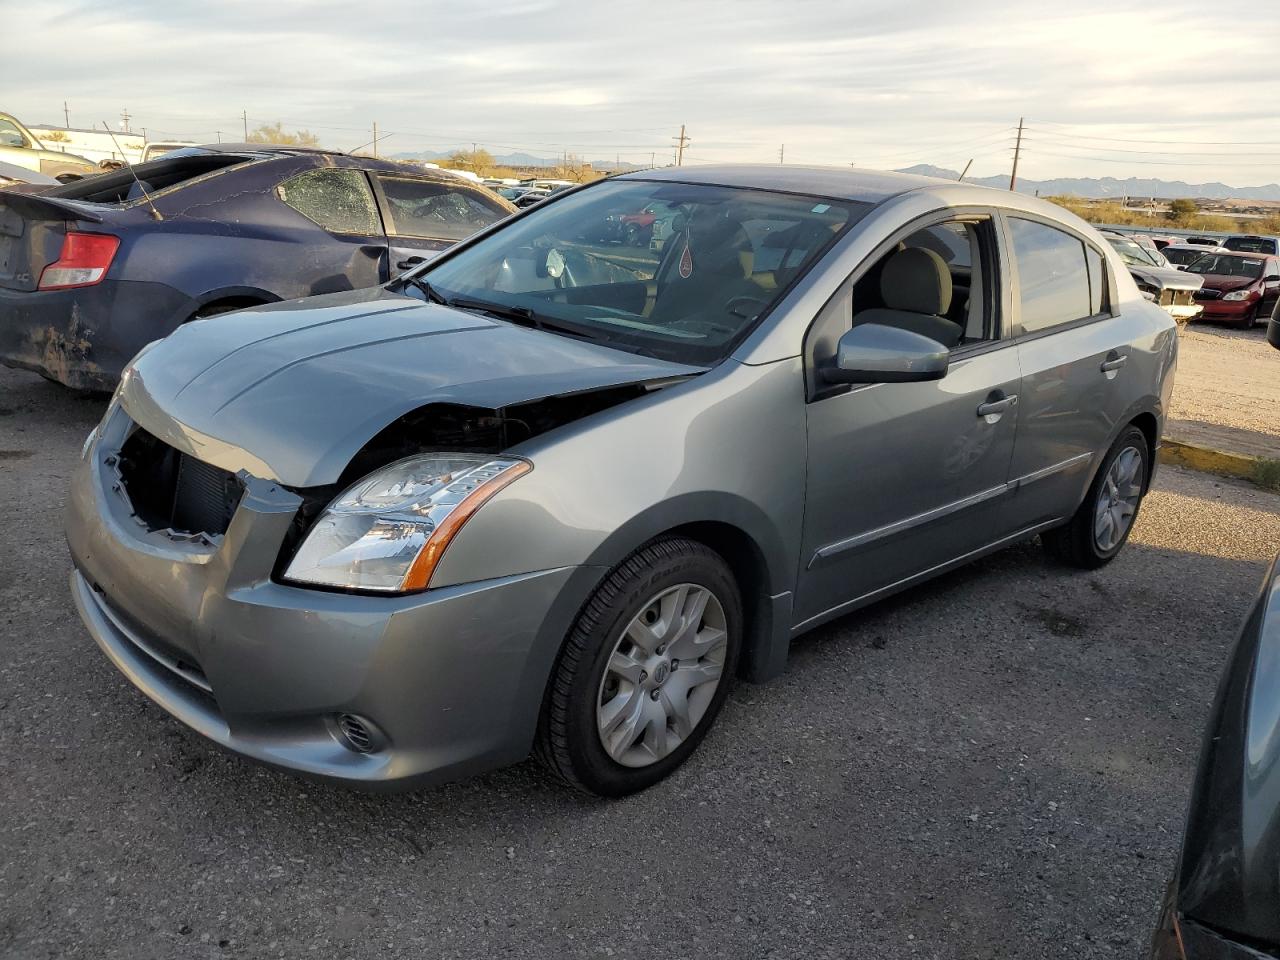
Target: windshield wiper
[(428, 291), (526, 317), (521, 315)]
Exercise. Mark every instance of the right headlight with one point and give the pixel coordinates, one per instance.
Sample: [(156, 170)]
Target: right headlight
[(387, 532), (1237, 295)]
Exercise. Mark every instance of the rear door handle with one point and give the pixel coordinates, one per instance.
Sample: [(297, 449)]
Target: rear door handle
[(1113, 363), (410, 262), (993, 409)]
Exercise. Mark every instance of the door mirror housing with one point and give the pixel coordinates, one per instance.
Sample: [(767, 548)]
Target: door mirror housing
[(1271, 278), (874, 353)]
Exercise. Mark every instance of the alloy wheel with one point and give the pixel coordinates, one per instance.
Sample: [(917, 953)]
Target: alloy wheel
[(662, 675), (1118, 499)]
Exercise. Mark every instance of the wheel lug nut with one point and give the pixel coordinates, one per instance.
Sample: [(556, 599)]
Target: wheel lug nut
[(662, 648), (675, 665), (644, 675), (653, 695)]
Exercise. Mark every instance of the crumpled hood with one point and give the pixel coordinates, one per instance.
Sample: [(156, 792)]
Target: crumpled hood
[(1216, 281), (292, 391), (1166, 278)]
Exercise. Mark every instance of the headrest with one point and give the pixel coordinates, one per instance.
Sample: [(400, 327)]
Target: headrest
[(721, 246), (916, 280)]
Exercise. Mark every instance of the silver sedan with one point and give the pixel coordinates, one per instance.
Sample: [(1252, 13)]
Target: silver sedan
[(553, 491)]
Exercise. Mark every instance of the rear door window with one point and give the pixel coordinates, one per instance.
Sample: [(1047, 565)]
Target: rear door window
[(1053, 278), (341, 201), (435, 210)]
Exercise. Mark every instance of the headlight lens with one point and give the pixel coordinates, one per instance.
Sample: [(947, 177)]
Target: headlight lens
[(387, 532), (1237, 295)]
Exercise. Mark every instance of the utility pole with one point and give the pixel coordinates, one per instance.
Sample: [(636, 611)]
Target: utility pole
[(124, 119), (144, 134), (653, 159), (782, 154), (244, 115), (1017, 151), (218, 134), (66, 115), (681, 142), (375, 139)]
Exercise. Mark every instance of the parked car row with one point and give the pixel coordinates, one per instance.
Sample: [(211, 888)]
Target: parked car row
[(1237, 282), (1160, 281)]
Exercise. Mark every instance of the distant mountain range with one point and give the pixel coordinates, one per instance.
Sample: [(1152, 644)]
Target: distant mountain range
[(1103, 187), (1093, 187)]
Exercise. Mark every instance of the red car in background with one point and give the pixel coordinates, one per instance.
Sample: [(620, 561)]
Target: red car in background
[(1239, 288)]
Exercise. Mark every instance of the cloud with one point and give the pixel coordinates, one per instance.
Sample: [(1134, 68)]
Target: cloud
[(877, 82)]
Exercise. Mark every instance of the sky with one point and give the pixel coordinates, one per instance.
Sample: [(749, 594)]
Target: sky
[(1162, 88)]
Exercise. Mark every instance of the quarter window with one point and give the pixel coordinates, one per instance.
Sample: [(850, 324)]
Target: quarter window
[(1053, 278), (341, 201), (424, 208), (1097, 280)]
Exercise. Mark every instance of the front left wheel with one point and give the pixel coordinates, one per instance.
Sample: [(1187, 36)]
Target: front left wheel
[(644, 671)]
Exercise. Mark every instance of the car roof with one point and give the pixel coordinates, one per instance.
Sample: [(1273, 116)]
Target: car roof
[(843, 183), (268, 151)]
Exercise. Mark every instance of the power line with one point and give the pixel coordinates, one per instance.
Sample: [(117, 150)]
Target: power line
[(1192, 143), (1072, 141), (1155, 163)]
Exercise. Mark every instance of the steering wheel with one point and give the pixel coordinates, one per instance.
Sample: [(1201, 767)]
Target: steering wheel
[(733, 305)]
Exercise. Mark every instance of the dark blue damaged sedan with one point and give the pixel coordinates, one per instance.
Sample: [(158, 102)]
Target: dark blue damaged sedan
[(92, 271)]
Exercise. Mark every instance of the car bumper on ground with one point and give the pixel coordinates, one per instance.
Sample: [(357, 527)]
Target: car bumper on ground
[(1184, 312), (83, 337), (445, 683)]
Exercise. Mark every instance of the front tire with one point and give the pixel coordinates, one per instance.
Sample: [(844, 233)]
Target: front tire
[(1101, 526), (644, 671)]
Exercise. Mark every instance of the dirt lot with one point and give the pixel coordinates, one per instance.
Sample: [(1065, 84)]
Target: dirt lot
[(995, 765), (1227, 392)]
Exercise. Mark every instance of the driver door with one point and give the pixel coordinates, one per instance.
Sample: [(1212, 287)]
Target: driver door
[(906, 477)]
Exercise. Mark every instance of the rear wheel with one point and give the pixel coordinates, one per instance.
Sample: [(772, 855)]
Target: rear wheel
[(1101, 526), (644, 671)]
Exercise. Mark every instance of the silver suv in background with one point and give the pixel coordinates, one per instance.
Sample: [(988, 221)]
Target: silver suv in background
[(552, 492)]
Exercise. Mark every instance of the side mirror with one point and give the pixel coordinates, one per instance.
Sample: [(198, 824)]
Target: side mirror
[(1271, 278), (873, 353)]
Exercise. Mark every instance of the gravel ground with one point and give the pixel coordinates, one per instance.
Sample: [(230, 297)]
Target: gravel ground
[(1228, 383), (994, 765)]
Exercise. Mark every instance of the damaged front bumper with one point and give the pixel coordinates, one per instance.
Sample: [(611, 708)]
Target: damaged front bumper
[(446, 683), (84, 337)]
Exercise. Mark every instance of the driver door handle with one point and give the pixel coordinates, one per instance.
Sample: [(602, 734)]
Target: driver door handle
[(410, 262), (995, 406), (1113, 363)]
